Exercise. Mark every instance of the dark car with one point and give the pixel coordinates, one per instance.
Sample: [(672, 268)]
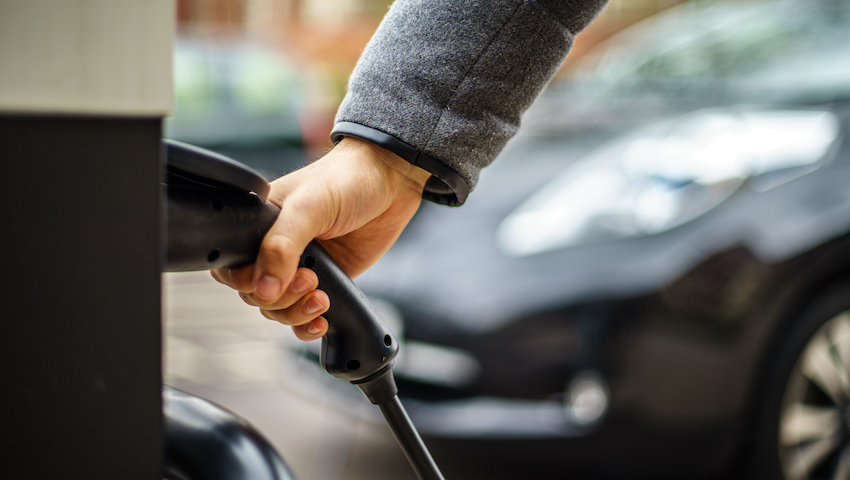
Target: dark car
[(660, 289)]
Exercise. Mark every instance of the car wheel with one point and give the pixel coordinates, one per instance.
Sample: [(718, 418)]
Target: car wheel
[(804, 430)]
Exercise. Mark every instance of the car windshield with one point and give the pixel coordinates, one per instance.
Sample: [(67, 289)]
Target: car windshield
[(716, 90), (718, 53)]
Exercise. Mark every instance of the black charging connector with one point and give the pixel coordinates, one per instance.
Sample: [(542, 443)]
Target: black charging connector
[(218, 214)]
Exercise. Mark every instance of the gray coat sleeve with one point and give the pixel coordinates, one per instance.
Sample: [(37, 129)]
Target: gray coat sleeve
[(443, 83)]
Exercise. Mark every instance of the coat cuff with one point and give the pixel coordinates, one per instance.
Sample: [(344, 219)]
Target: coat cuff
[(445, 186)]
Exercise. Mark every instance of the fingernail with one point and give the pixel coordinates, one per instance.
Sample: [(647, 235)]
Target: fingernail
[(301, 284), (312, 306), (268, 288), (312, 329)]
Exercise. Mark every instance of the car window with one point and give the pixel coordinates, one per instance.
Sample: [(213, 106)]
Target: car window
[(727, 52)]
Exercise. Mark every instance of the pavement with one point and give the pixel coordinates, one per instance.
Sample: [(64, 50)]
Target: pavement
[(223, 350), (219, 348)]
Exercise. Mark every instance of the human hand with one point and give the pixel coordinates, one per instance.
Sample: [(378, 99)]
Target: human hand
[(356, 200)]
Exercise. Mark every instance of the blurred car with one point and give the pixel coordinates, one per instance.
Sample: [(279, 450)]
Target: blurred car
[(240, 98), (654, 278)]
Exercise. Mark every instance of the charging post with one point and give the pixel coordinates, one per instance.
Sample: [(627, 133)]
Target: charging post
[(84, 87)]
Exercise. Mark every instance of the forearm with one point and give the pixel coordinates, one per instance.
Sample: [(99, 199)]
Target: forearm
[(451, 78)]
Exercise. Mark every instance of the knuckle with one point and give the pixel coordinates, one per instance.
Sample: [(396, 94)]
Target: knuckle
[(216, 274), (285, 302), (277, 248), (299, 332), (236, 278), (284, 316), (247, 298)]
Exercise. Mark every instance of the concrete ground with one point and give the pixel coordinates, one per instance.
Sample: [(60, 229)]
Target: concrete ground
[(218, 348), (223, 350)]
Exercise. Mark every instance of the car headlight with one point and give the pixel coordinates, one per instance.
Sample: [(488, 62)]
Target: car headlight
[(664, 176), (586, 399)]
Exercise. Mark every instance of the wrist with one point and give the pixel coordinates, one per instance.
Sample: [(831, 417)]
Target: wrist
[(398, 169)]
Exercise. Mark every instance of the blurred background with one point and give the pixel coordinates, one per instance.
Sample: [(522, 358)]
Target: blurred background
[(641, 266), (260, 80)]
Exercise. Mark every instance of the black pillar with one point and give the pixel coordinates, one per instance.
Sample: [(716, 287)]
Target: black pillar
[(81, 326)]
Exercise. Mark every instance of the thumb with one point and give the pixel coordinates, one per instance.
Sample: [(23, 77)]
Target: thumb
[(298, 223)]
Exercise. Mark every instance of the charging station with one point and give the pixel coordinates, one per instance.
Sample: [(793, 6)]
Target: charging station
[(84, 88)]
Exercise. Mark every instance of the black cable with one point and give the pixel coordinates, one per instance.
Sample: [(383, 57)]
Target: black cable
[(415, 450)]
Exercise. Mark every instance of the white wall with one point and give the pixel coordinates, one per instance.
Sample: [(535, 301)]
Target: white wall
[(86, 56)]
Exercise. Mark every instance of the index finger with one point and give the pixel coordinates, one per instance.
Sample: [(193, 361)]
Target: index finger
[(237, 278)]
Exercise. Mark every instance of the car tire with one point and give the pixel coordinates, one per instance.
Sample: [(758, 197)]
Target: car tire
[(803, 431)]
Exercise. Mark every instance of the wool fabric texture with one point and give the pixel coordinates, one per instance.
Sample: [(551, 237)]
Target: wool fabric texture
[(451, 78)]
